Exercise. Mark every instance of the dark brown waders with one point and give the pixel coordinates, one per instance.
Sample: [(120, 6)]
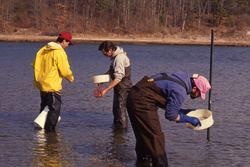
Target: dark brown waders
[(142, 109)]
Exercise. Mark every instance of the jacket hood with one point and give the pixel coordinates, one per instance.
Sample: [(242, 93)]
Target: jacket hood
[(53, 46), (119, 50)]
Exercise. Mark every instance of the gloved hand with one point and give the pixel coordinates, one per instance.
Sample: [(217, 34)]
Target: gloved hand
[(186, 119), (185, 111)]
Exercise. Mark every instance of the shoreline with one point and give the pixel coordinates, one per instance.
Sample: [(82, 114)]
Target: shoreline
[(125, 40)]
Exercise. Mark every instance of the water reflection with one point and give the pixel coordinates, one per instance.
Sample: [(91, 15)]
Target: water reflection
[(119, 146), (48, 149), (84, 137)]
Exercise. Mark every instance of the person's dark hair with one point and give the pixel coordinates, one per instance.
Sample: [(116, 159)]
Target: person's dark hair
[(60, 40), (107, 45), (192, 82)]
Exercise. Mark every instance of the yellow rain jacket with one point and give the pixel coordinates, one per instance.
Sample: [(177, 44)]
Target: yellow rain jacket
[(50, 66)]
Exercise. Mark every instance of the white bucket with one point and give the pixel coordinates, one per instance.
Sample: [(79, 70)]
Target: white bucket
[(42, 117), (205, 117), (98, 79)]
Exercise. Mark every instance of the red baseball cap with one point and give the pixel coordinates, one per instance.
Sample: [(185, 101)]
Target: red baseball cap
[(67, 36)]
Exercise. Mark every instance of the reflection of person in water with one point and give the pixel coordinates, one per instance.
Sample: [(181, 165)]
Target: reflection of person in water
[(118, 146), (46, 151)]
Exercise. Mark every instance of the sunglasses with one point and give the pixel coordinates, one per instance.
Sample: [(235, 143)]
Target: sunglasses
[(68, 41)]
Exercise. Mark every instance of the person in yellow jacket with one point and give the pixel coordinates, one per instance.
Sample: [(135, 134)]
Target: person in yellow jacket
[(50, 67)]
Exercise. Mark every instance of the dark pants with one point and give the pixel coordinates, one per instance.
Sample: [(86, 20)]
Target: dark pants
[(53, 101), (121, 92), (142, 105)]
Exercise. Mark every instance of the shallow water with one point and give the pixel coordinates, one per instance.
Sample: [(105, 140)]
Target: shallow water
[(84, 136)]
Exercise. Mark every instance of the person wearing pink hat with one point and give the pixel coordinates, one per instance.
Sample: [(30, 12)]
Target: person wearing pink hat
[(167, 91), (202, 84), (50, 67)]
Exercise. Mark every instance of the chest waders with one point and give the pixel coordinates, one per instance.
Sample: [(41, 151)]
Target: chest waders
[(143, 102), (121, 91)]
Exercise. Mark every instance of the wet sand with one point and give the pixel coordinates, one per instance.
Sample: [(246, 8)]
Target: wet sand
[(126, 40)]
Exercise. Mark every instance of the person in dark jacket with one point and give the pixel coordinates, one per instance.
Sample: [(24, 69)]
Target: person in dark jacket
[(120, 71), (166, 91)]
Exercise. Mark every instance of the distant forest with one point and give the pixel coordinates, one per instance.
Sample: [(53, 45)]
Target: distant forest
[(48, 17)]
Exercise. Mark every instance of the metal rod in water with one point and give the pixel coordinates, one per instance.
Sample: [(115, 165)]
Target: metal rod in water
[(210, 78)]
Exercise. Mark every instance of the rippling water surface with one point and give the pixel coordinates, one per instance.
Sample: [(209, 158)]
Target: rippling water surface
[(84, 136)]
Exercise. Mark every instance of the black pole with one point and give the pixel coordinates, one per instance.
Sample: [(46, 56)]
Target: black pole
[(210, 78)]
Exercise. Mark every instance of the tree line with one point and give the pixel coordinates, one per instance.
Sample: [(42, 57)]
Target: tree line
[(121, 16)]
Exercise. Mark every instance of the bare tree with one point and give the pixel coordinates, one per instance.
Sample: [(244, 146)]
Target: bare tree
[(183, 13), (120, 15)]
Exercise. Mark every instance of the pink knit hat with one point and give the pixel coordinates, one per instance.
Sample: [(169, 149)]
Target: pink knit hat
[(202, 84)]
